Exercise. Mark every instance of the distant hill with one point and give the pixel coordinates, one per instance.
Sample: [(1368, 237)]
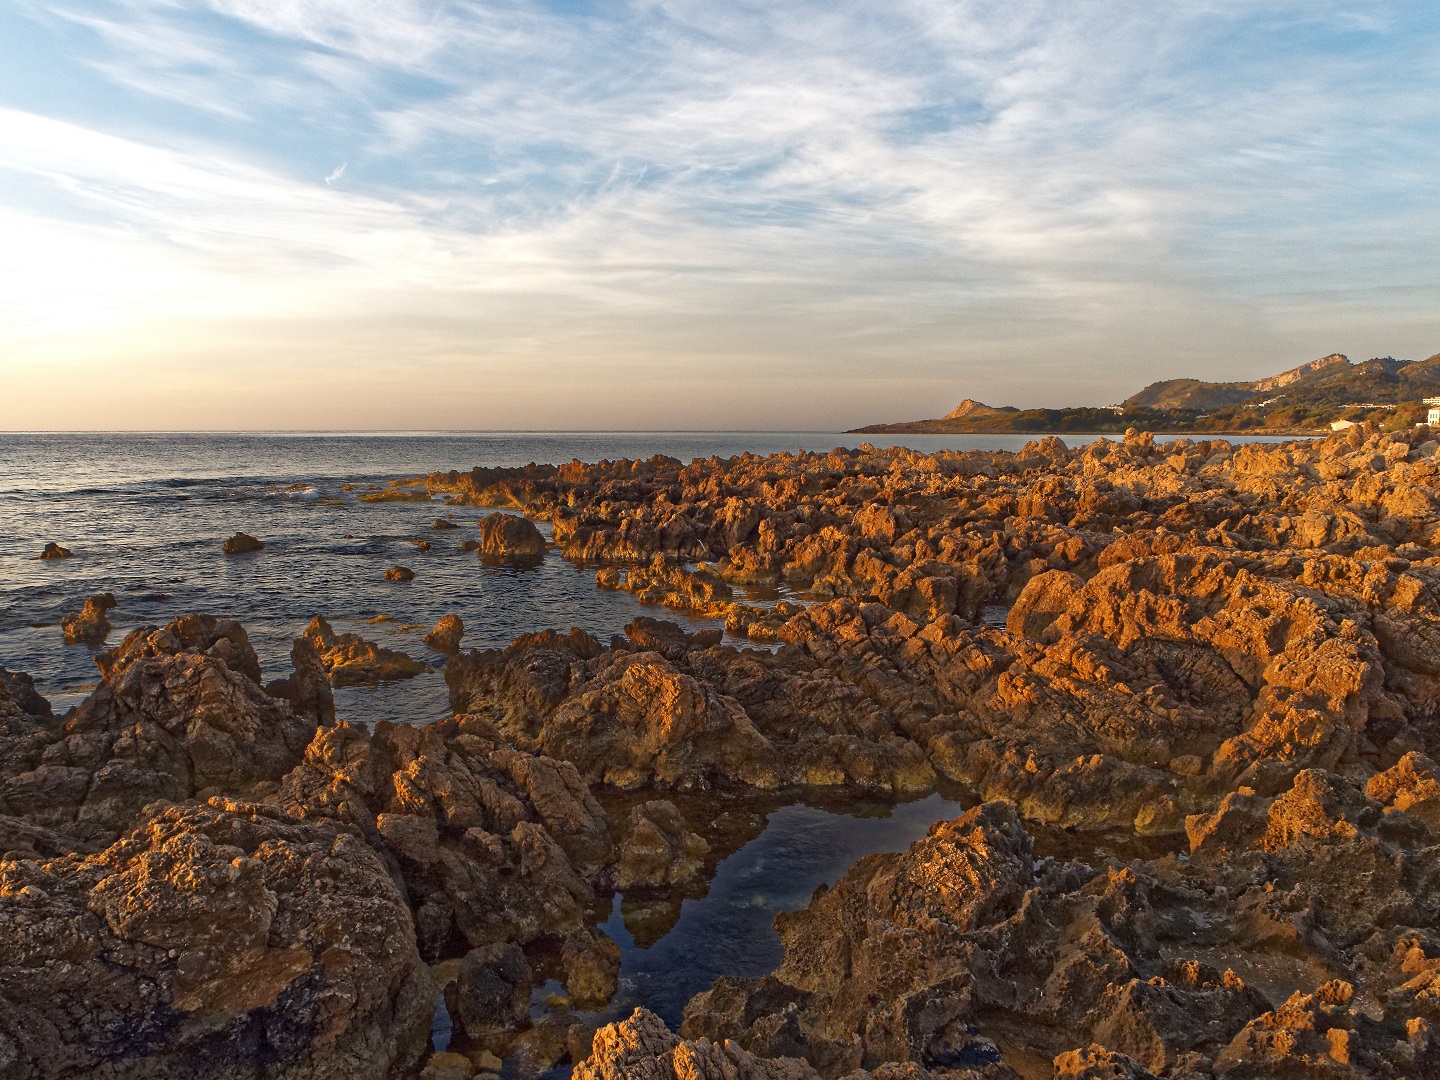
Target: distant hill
[(973, 410), (1305, 398)]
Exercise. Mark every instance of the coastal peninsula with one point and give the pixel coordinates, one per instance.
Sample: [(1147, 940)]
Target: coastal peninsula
[(1313, 398)]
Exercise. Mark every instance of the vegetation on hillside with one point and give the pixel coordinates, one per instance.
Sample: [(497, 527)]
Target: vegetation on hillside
[(1383, 391)]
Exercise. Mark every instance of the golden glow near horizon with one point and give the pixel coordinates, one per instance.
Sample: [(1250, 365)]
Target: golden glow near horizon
[(257, 214)]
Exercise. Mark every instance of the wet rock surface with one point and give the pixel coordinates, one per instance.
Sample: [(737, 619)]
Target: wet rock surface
[(446, 635), (1202, 751), (91, 624), (510, 537), (350, 660), (242, 544)]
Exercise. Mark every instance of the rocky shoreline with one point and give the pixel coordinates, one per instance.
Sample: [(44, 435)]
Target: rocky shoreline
[(1204, 840)]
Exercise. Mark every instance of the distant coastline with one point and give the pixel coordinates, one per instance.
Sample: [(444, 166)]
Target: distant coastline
[(910, 429), (1312, 399)]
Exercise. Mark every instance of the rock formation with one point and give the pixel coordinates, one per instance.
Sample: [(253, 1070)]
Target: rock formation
[(399, 573), (350, 660), (1192, 688), (510, 537), (446, 635), (210, 941), (242, 543), (967, 943), (179, 714), (53, 550), (91, 624)]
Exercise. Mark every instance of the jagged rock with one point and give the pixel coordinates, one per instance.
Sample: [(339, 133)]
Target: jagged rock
[(642, 1048), (350, 660), (443, 523), (178, 712), (242, 544), (18, 689), (308, 688), (508, 536), (210, 941), (1411, 785), (446, 635), (494, 845), (658, 848), (662, 635), (89, 626), (53, 550), (1098, 1063), (669, 719), (204, 635)]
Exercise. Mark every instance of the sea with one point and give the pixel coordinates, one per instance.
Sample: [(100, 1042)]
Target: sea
[(145, 516)]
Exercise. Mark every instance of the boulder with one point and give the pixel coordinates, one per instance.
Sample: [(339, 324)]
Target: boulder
[(399, 573), (89, 626), (446, 635), (658, 848), (241, 544), (510, 537), (53, 550), (211, 941)]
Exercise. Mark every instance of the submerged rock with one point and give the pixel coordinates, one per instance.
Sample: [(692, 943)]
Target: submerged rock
[(492, 993), (444, 523), (592, 969), (90, 625), (350, 660), (53, 550), (399, 573), (241, 544)]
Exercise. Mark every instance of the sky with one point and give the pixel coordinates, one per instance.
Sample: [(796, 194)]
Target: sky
[(669, 214)]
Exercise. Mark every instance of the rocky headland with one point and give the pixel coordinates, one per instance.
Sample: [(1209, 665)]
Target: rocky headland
[(1190, 690), (1309, 398)]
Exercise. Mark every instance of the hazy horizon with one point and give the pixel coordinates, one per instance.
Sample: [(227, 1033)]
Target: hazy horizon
[(559, 215)]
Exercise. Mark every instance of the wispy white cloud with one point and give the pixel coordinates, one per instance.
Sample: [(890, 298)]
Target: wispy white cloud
[(832, 192)]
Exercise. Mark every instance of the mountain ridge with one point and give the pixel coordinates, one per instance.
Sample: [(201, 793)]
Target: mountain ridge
[(1302, 399)]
